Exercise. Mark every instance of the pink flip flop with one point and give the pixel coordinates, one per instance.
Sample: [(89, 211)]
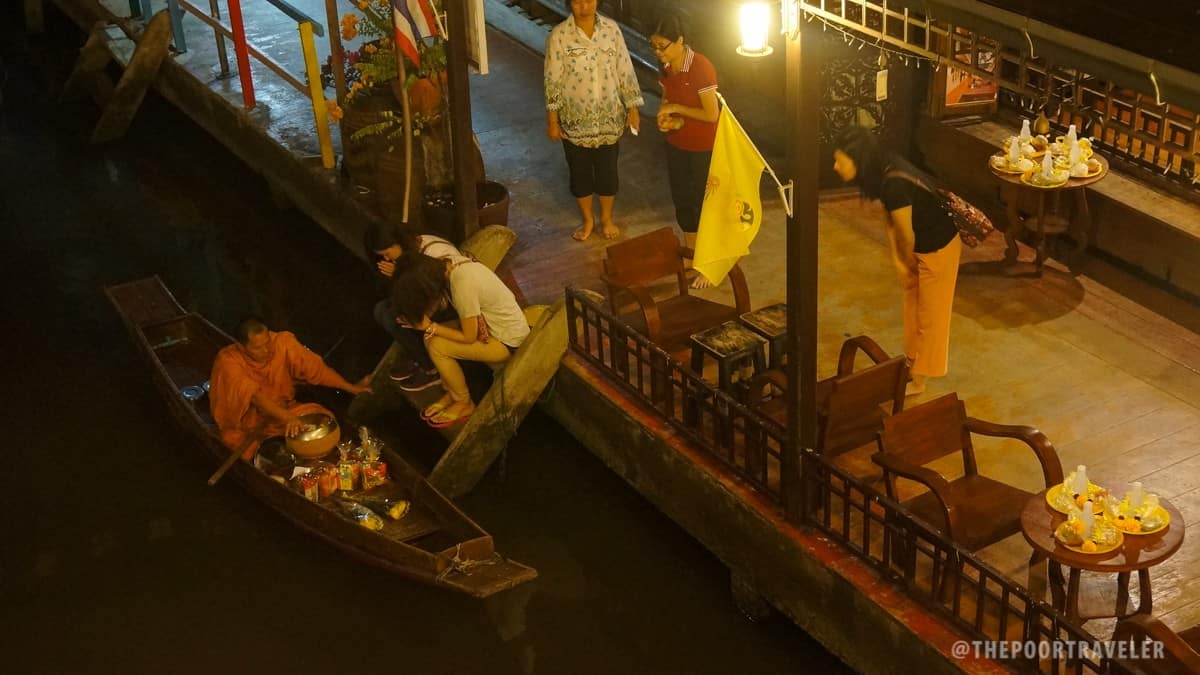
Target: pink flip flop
[(439, 421)]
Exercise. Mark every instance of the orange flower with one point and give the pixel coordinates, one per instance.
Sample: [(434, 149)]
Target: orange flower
[(335, 111), (349, 27), (371, 49)]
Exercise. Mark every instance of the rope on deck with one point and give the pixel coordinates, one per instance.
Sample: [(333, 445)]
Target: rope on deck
[(459, 565)]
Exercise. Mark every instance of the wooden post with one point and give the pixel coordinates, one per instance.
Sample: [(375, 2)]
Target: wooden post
[(88, 74), (802, 96), (35, 20), (142, 69), (335, 51), (406, 129), (514, 391), (337, 60), (462, 139)]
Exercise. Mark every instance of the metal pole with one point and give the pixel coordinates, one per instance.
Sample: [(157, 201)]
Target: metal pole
[(241, 52), (317, 93), (462, 139), (215, 12), (802, 99), (335, 51)]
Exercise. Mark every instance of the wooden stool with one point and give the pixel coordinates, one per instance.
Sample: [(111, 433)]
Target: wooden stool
[(733, 347), (771, 323)]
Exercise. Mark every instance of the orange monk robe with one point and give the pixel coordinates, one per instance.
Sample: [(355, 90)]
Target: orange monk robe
[(236, 378)]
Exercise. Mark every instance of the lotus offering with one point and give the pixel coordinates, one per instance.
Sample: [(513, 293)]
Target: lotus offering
[(1075, 491), (1047, 176), (1139, 513), (1085, 532)]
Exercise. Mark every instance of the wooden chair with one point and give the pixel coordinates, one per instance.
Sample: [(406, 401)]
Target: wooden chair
[(974, 511), (1181, 651), (631, 266), (851, 405)]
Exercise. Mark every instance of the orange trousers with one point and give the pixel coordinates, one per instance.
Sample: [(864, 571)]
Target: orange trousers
[(928, 304)]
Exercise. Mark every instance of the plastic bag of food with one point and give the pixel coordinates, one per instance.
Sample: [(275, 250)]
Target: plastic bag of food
[(362, 515), (392, 507), (349, 472), (306, 485), (374, 474), (327, 478)]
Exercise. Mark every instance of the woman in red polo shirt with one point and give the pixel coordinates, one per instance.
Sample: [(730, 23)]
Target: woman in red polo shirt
[(688, 116)]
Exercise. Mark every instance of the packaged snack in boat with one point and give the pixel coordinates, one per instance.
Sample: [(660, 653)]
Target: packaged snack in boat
[(348, 474), (374, 474), (306, 485), (362, 515), (327, 479), (392, 507)]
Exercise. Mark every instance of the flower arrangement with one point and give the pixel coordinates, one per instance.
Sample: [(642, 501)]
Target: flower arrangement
[(373, 63)]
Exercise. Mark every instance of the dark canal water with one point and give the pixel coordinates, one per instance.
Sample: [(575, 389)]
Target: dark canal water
[(116, 556)]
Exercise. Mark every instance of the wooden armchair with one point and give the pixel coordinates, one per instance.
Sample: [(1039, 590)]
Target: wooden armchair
[(851, 404), (630, 266), (974, 511), (1181, 651)]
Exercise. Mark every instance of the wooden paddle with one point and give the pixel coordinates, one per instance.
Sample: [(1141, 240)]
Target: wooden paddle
[(232, 459)]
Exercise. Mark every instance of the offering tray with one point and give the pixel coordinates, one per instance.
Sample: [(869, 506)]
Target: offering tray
[(1158, 515), (1114, 541), (1028, 179), (1003, 166), (1059, 501)]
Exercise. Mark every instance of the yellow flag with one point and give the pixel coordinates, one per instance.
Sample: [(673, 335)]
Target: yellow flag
[(732, 210)]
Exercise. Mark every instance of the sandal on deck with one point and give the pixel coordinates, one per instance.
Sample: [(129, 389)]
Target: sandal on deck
[(434, 410), (440, 419)]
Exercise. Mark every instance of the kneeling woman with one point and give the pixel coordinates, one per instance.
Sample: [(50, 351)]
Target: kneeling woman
[(491, 328)]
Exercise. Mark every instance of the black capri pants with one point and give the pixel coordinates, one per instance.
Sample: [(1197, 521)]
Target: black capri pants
[(592, 170), (687, 172)]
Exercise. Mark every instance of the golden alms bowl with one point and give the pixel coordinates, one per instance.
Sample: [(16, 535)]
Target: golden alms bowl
[(318, 437)]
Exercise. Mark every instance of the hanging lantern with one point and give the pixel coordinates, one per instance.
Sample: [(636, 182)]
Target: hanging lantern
[(755, 22)]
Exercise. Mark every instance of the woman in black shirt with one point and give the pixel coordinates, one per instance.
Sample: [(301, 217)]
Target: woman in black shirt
[(924, 244)]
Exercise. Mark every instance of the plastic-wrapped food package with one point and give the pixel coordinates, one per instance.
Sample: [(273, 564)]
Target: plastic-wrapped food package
[(362, 515)]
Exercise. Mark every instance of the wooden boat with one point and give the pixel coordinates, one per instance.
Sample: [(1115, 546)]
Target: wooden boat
[(434, 543)]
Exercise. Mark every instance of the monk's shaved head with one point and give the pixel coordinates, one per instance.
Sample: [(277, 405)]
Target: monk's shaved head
[(248, 327)]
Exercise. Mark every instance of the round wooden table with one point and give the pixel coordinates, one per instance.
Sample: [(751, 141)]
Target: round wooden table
[(1046, 223), (1139, 552)]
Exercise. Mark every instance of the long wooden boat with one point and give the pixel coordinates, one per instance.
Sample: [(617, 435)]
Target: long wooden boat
[(435, 543)]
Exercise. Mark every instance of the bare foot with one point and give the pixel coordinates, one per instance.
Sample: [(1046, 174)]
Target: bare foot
[(701, 282), (583, 233), (610, 230), (916, 386)]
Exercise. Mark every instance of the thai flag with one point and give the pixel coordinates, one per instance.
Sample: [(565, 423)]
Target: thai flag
[(413, 20)]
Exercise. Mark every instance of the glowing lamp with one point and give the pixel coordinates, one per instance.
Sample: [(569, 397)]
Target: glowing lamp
[(755, 21)]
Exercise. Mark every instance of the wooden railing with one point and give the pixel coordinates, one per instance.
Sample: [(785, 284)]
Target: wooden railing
[(310, 86), (750, 445), (953, 583)]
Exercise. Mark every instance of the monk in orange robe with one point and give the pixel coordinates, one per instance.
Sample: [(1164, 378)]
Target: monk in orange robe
[(253, 386)]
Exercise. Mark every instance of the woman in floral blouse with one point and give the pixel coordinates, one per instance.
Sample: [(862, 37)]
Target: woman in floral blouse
[(592, 94)]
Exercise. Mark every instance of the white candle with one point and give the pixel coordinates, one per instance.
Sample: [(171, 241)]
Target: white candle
[(1075, 154), (1025, 134), (1136, 496), (1014, 150), (1081, 480), (1047, 165), (1071, 136), (1088, 517)]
